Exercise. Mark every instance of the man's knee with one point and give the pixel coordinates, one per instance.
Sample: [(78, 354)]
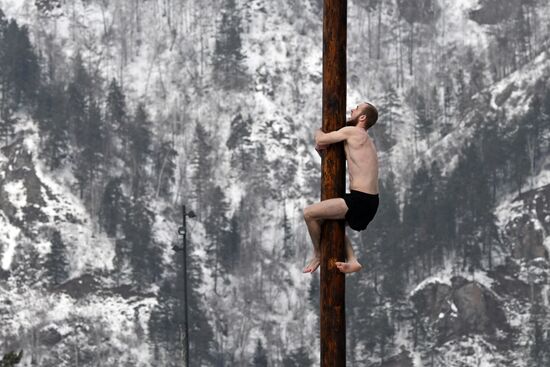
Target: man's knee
[(309, 213)]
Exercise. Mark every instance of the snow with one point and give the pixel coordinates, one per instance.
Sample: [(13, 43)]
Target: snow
[(517, 103), (507, 210), (546, 243), (545, 292), (17, 195), (18, 9), (454, 308), (471, 350), (88, 248), (542, 178), (456, 26), (113, 315), (417, 359), (9, 237), (43, 247), (432, 280)]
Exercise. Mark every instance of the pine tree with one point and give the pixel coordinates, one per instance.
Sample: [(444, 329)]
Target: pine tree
[(19, 73), (5, 128), (52, 121), (56, 263), (442, 217), (239, 143), (289, 249), (79, 94), (139, 149), (394, 283), (476, 68), (389, 107), (260, 356), (116, 118), (462, 91), (167, 319), (519, 156), (230, 253), (539, 349), (90, 160), (202, 163), (446, 126), (259, 175), (417, 11), (121, 261), (314, 293), (116, 106), (545, 112), (385, 231), (216, 227), (144, 256), (533, 122), (20, 70), (201, 341), (11, 359), (165, 167), (424, 122), (522, 34), (113, 207), (228, 64), (471, 204), (416, 210), (364, 304), (383, 331), (3, 21), (298, 358), (435, 110), (493, 152), (78, 117)]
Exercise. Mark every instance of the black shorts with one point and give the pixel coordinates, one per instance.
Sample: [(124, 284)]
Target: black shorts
[(361, 208)]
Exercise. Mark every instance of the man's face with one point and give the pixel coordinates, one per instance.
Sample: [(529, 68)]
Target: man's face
[(355, 112)]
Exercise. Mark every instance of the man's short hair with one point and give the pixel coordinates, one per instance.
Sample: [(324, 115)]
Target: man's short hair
[(372, 114)]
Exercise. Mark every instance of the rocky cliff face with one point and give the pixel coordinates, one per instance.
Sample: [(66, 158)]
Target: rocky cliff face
[(528, 229), (36, 310), (498, 305)]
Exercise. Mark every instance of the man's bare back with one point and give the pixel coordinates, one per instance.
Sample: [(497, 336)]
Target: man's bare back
[(362, 161)]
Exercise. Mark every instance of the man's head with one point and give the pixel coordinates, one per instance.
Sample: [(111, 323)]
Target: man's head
[(364, 115)]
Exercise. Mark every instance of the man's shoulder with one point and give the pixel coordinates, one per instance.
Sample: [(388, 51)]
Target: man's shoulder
[(350, 130), (354, 131)]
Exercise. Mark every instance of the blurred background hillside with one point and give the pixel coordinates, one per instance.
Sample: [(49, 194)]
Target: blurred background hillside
[(113, 114)]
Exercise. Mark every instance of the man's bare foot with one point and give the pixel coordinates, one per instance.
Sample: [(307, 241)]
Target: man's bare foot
[(348, 267), (313, 265)]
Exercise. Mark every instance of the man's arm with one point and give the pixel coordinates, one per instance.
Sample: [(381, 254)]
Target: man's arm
[(333, 137), (320, 149)]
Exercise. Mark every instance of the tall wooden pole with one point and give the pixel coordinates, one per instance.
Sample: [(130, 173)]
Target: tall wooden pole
[(333, 182)]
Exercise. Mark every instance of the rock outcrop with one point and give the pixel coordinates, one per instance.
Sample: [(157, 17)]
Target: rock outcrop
[(526, 232), (464, 307)]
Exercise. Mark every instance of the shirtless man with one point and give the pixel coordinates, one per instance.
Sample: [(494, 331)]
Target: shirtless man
[(358, 206)]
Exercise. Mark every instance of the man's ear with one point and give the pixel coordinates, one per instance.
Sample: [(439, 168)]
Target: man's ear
[(362, 118)]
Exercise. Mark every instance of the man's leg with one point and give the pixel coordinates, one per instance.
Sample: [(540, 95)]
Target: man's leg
[(314, 215), (351, 265)]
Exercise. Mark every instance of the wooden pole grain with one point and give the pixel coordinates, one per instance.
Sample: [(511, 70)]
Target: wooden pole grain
[(333, 181)]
